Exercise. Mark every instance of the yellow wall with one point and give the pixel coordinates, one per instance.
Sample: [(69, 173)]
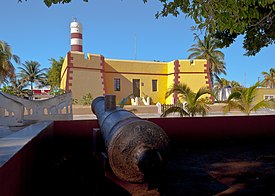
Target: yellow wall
[(145, 71), (170, 81), (193, 74), (86, 76), (64, 73), (261, 92)]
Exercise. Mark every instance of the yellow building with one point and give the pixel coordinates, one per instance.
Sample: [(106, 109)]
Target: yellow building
[(99, 75), (264, 94)]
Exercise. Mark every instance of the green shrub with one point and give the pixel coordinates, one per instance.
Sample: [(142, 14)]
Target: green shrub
[(86, 99)]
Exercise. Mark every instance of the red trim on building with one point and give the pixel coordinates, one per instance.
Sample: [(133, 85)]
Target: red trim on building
[(176, 77), (76, 35), (77, 48), (69, 77), (208, 78), (102, 64)]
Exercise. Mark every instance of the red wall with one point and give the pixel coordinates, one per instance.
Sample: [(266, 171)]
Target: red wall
[(77, 136), (217, 127)]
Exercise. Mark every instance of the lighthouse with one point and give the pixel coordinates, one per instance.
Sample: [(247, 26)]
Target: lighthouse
[(76, 36)]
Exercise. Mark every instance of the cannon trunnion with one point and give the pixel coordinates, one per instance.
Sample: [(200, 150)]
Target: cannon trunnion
[(136, 148)]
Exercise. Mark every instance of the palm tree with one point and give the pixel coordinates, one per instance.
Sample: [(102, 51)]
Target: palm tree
[(31, 72), (269, 78), (16, 88), (6, 66), (221, 84), (193, 102), (208, 49), (243, 99), (235, 84), (219, 88)]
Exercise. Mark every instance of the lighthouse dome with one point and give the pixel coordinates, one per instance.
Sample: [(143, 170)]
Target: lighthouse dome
[(76, 27)]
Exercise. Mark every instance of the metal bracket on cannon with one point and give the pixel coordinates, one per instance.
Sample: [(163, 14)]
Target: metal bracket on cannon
[(132, 151)]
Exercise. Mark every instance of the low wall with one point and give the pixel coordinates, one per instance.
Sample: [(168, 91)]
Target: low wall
[(11, 111), (217, 128), (24, 155), (55, 108)]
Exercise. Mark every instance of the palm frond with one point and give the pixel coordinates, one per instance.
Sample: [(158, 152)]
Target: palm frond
[(173, 110), (235, 95), (181, 88), (124, 100), (202, 91)]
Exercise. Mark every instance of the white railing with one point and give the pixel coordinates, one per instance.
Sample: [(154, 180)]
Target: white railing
[(11, 112), (55, 108)]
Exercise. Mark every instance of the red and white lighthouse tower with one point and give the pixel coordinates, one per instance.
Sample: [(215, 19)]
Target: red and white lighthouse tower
[(76, 36)]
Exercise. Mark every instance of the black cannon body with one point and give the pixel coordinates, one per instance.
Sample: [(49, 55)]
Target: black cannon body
[(136, 148)]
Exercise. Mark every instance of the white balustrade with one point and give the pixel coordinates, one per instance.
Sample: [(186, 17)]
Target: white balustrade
[(14, 110), (11, 112)]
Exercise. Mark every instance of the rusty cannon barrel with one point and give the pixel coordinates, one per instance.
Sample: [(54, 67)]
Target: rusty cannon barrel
[(136, 148)]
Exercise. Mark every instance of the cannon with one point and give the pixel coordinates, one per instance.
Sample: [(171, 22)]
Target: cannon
[(136, 148)]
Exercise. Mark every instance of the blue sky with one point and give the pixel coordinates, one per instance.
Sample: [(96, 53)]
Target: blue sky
[(38, 33)]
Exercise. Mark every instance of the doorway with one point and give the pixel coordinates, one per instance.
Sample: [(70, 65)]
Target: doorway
[(136, 87)]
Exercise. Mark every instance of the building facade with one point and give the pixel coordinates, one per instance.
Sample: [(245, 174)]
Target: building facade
[(98, 75)]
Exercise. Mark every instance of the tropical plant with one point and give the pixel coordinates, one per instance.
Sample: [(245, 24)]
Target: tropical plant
[(50, 2), (16, 88), (243, 99), (193, 102), (235, 84), (221, 84), (30, 72), (56, 91), (208, 49), (218, 88), (269, 78), (86, 99), (124, 100), (226, 20), (6, 67), (75, 101), (54, 73)]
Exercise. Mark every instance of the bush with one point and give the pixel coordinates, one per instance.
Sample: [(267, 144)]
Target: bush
[(86, 99), (75, 101)]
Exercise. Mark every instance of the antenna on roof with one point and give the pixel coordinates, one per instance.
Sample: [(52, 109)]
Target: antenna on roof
[(135, 47), (244, 79)]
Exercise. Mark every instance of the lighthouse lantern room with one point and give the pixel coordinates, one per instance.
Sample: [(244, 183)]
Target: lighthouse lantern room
[(76, 36)]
